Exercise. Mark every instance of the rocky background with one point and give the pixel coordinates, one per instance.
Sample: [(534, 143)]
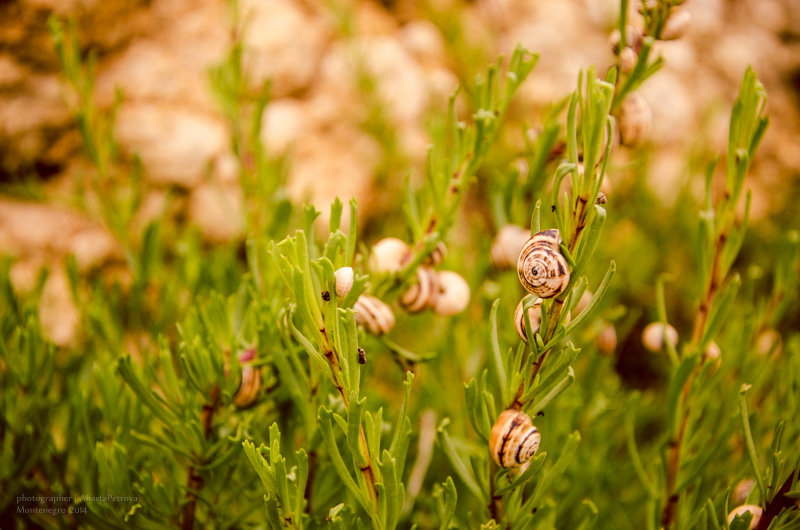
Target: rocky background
[(315, 55)]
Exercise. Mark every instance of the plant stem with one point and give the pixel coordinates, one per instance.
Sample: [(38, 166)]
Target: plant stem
[(195, 481)]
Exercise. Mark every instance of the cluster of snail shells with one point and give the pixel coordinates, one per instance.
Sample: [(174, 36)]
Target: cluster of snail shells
[(250, 384), (507, 244), (757, 512), (444, 292), (541, 267), (514, 439), (374, 315)]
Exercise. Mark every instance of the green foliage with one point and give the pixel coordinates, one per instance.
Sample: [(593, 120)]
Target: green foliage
[(144, 421)]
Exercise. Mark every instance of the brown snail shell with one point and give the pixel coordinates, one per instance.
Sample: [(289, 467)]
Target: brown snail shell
[(388, 255), (373, 314), (507, 244), (653, 336), (534, 315), (422, 294), (344, 281), (247, 393), (744, 508), (541, 268), (634, 121), (514, 439), (453, 294)]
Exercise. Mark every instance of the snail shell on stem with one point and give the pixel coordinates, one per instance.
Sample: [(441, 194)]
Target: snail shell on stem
[(653, 336), (422, 294), (453, 294), (541, 267), (251, 381), (744, 508), (437, 255), (606, 341), (514, 439), (373, 314), (344, 281), (507, 244), (534, 315), (388, 255), (678, 22)]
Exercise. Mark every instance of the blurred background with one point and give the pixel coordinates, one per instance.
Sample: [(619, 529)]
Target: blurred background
[(353, 90)]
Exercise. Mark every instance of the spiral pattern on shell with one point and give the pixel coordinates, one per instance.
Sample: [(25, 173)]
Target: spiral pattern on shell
[(437, 255), (374, 315), (534, 314), (422, 294), (514, 439), (541, 268)]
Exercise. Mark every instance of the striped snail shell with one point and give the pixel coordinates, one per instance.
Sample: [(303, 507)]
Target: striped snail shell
[(373, 314), (507, 244), (514, 439), (422, 294), (343, 281), (743, 509), (251, 381), (541, 268), (437, 255), (635, 120), (534, 314), (453, 294), (388, 255)]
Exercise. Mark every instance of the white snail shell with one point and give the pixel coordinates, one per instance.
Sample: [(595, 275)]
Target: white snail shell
[(437, 255), (507, 244), (541, 268), (744, 508), (374, 315), (534, 315), (742, 490), (634, 121), (388, 255), (453, 294), (653, 336), (713, 351), (678, 22), (606, 341), (514, 439), (422, 294), (344, 281), (251, 381)]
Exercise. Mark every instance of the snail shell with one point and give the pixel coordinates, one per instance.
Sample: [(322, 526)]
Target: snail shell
[(744, 508), (635, 120), (374, 315), (507, 244), (422, 294), (388, 255), (606, 341), (453, 294), (534, 314), (437, 255), (251, 381), (678, 22), (344, 281), (653, 336), (541, 268), (742, 490), (768, 341), (514, 439), (627, 59), (633, 39)]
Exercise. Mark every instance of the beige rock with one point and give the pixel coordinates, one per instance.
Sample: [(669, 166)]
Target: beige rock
[(283, 121), (58, 315), (175, 144), (283, 44), (218, 211)]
